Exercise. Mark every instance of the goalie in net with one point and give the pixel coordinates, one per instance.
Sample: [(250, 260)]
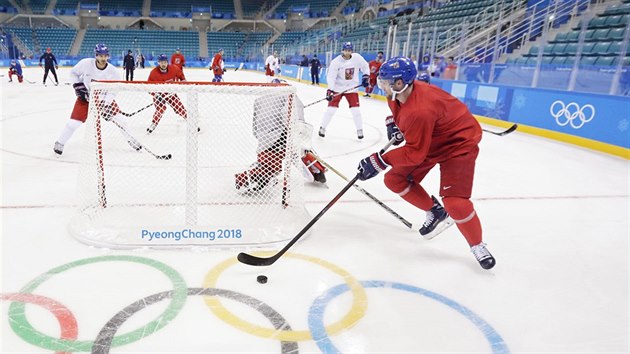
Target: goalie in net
[(270, 130)]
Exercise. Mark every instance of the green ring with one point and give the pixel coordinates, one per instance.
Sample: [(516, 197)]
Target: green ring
[(25, 330)]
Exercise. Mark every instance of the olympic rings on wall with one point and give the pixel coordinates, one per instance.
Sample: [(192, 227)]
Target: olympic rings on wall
[(25, 330), (571, 113)]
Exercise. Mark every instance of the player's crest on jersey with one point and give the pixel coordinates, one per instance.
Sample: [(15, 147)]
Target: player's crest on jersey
[(349, 73)]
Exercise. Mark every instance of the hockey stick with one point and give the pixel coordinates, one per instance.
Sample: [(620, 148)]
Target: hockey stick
[(367, 194), (337, 94), (161, 99), (142, 146), (505, 132), (262, 261)]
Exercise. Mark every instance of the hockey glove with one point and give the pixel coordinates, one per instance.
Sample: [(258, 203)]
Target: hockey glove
[(81, 91), (371, 166), (393, 131), (330, 94), (365, 81)]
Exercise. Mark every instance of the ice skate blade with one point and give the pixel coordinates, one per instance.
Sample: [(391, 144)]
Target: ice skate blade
[(448, 222)]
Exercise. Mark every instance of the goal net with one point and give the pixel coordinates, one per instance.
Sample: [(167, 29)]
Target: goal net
[(191, 165)]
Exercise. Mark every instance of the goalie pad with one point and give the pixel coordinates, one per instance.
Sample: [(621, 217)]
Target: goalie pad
[(262, 172)]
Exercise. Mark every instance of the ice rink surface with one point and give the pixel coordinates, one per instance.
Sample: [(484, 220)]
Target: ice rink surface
[(554, 216)]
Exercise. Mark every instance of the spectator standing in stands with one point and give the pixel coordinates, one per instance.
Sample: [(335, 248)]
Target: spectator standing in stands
[(50, 64), (178, 59), (316, 65), (450, 69), (436, 67), (129, 65)]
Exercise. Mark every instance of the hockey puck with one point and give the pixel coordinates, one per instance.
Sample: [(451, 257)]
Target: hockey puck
[(261, 279)]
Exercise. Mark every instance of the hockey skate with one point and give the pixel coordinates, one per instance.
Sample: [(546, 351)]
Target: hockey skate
[(151, 128), (437, 221), (483, 256), (360, 133), (250, 183), (58, 148), (322, 132)]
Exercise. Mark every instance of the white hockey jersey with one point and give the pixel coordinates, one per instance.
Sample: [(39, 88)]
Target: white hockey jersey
[(344, 74), (273, 62), (86, 71)]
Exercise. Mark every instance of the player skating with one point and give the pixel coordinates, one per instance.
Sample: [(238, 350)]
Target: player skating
[(178, 59), (437, 129), (270, 128), (375, 66), (272, 64), (165, 72), (50, 64), (217, 66), (81, 76), (343, 79), (15, 69)]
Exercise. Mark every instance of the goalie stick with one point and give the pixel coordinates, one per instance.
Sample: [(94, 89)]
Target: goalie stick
[(505, 132), (266, 261), (337, 94), (367, 194)]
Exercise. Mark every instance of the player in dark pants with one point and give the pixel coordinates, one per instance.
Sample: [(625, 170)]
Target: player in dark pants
[(50, 64), (129, 64)]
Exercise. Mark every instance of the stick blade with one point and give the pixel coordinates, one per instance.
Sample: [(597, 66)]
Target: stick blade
[(511, 129), (255, 261)]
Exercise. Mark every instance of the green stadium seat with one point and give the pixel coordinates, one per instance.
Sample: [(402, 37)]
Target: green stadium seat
[(558, 49), (615, 34), (600, 34), (561, 37), (557, 60), (588, 60), (605, 61), (614, 21)]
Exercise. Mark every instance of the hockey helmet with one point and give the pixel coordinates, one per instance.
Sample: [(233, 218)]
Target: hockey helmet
[(398, 68), (162, 57), (101, 49), (424, 76), (13, 62), (278, 81), (347, 46)]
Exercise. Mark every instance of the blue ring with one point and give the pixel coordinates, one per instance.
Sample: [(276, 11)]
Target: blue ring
[(318, 331)]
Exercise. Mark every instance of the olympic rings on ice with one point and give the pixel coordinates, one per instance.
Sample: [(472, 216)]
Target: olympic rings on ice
[(22, 327), (67, 321), (571, 113), (316, 314), (104, 339), (357, 309)]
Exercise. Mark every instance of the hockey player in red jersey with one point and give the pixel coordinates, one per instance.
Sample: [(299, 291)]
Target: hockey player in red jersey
[(15, 69), (270, 130), (217, 66), (165, 72), (437, 129), (178, 59), (375, 66)]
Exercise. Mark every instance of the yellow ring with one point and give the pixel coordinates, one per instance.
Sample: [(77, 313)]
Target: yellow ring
[(357, 311)]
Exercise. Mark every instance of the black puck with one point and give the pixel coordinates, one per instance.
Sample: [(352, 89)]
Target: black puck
[(261, 279)]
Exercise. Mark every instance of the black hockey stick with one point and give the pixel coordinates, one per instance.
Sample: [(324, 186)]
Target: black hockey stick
[(161, 98), (140, 145), (505, 132), (336, 94), (367, 194), (266, 261)]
